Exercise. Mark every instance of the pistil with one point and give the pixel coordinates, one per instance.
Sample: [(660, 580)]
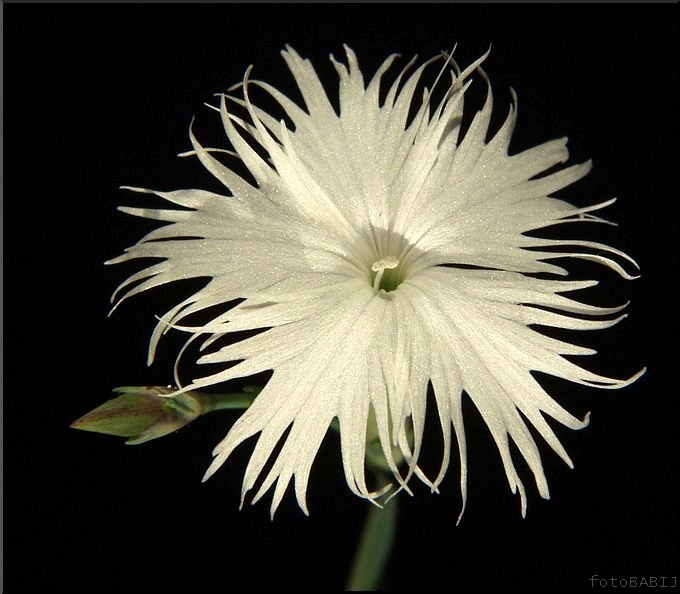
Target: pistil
[(379, 267)]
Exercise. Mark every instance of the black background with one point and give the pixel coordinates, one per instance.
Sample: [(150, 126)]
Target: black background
[(101, 96)]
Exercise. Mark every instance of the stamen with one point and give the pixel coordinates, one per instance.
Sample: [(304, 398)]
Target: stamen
[(386, 263)]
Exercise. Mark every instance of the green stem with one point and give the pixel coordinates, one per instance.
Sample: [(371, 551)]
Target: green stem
[(373, 551), (228, 401)]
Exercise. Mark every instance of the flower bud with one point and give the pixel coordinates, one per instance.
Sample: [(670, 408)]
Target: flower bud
[(141, 413)]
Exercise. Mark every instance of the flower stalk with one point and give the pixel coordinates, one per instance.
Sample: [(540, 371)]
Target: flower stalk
[(374, 547)]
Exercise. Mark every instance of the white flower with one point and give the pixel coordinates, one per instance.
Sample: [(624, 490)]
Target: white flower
[(381, 254)]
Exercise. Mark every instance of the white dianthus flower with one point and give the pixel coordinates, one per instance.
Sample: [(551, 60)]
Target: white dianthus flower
[(383, 254)]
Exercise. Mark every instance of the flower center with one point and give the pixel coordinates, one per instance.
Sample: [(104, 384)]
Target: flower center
[(387, 274)]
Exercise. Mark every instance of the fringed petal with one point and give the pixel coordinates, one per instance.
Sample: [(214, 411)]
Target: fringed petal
[(298, 259)]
